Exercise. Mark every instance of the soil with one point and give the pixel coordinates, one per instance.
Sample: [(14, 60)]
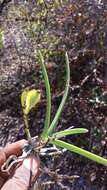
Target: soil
[(78, 27)]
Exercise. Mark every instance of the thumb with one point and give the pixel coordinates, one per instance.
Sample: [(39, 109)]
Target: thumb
[(24, 175)]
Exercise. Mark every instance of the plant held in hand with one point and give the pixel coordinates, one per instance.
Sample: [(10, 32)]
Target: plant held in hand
[(30, 98)]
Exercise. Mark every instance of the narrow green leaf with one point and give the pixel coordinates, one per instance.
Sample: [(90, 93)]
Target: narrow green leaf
[(48, 96), (66, 132), (61, 106), (32, 98), (80, 151)]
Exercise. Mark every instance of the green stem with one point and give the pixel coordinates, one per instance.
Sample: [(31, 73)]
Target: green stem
[(60, 109), (48, 96), (80, 151), (26, 129)]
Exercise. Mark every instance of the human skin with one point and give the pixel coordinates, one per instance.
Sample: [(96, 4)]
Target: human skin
[(11, 149), (24, 174)]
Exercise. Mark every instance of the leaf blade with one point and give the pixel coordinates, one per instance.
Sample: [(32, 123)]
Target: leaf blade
[(80, 151), (32, 98), (64, 98), (48, 96), (23, 98), (66, 132)]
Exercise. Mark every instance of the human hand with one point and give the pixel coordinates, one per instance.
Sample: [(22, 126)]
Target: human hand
[(24, 175)]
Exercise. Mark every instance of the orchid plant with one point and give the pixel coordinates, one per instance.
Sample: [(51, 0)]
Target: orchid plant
[(30, 98)]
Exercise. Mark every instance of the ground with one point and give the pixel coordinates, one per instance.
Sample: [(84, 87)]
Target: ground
[(78, 27)]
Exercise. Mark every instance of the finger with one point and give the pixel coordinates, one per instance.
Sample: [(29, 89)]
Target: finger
[(2, 160), (2, 157), (14, 148), (24, 175)]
